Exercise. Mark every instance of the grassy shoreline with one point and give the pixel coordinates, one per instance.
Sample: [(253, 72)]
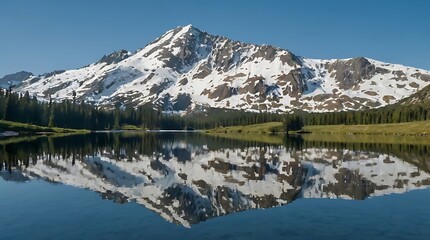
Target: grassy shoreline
[(421, 129), (262, 128), (254, 133), (366, 138), (251, 137), (24, 128)]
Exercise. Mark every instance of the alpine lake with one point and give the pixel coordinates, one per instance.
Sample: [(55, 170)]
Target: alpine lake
[(190, 185)]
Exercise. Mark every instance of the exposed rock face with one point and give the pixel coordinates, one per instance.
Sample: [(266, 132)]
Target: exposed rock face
[(114, 57), (290, 59), (221, 92), (351, 72), (424, 77), (296, 82), (187, 48), (182, 103), (399, 76), (214, 71)]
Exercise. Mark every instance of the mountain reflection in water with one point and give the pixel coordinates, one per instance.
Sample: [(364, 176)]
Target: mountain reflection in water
[(189, 178)]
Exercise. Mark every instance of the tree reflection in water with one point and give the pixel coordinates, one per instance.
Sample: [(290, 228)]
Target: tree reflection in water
[(189, 177)]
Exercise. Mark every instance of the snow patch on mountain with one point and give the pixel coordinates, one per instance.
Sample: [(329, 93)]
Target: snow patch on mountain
[(202, 70)]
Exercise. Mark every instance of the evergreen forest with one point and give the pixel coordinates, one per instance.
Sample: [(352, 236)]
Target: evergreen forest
[(23, 108)]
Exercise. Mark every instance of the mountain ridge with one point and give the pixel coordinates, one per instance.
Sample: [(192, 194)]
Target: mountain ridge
[(13, 79), (187, 69)]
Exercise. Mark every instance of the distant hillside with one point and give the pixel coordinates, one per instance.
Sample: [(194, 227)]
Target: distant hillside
[(14, 79), (420, 97)]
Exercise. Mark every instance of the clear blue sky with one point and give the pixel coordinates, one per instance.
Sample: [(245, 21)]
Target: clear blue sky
[(44, 35)]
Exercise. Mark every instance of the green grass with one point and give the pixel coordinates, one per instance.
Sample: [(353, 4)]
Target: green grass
[(262, 128), (255, 133), (366, 138), (30, 128), (421, 128), (250, 137), (411, 132), (131, 127)]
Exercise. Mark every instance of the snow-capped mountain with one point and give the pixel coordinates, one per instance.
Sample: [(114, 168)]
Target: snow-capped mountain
[(187, 184), (187, 68), (14, 79)]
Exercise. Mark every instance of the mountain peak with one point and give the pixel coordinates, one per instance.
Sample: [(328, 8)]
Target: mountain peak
[(187, 30), (174, 34), (188, 27), (187, 68)]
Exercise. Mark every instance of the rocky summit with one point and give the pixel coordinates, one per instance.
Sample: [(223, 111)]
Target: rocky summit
[(187, 69)]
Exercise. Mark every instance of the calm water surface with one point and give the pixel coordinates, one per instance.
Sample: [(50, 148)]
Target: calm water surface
[(191, 186)]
